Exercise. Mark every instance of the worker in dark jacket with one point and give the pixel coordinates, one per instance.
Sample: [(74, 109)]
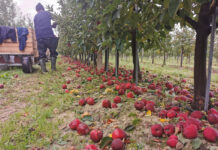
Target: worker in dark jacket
[(45, 37)]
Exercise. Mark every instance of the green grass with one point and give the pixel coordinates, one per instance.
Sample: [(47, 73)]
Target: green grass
[(168, 69), (38, 128)]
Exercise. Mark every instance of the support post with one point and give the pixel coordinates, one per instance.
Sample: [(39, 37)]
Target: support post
[(210, 60)]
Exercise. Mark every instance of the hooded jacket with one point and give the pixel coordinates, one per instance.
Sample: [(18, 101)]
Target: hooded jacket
[(42, 23)]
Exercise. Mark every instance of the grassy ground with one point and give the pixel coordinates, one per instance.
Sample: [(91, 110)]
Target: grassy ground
[(172, 67), (35, 111)]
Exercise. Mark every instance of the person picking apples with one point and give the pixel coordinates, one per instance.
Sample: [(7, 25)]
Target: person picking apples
[(45, 37)]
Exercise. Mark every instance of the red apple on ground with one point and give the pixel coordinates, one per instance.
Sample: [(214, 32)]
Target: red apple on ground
[(114, 105), (130, 95), (106, 104), (90, 101), (117, 144), (210, 134), (96, 135), (82, 102), (190, 131), (118, 134), (102, 86), (89, 79), (169, 129), (64, 86), (139, 105), (91, 147), (157, 130), (74, 124), (68, 81), (82, 129), (117, 99)]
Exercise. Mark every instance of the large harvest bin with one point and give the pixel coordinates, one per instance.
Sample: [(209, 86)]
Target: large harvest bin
[(10, 55)]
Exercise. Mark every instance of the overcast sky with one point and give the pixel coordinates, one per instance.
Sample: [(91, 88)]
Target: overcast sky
[(28, 6)]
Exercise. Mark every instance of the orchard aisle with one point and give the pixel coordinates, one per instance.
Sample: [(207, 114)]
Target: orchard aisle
[(59, 110)]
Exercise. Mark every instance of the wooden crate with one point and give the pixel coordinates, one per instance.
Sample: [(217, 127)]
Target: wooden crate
[(10, 48)]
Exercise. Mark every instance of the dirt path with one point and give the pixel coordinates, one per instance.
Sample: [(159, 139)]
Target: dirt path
[(15, 95)]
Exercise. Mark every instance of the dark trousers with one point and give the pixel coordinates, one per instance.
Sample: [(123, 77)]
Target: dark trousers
[(47, 43)]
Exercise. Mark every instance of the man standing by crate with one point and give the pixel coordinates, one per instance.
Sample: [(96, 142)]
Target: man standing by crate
[(45, 37)]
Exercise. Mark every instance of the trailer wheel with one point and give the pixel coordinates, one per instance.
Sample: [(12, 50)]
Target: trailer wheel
[(27, 64)]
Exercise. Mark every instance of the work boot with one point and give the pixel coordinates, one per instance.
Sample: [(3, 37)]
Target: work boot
[(53, 63), (43, 65)]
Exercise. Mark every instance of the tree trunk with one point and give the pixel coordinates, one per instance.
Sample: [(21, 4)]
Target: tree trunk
[(85, 58), (200, 70), (189, 59), (80, 57), (134, 55), (182, 51), (203, 30), (95, 59), (142, 56), (99, 60), (210, 61), (177, 59), (117, 63), (153, 57), (107, 60), (164, 61), (75, 57)]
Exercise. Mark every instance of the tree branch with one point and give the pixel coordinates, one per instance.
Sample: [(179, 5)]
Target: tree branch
[(217, 25), (193, 23), (213, 6)]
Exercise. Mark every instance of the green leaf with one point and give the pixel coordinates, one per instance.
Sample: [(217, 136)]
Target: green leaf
[(162, 17), (187, 4), (166, 3), (105, 141), (173, 7), (136, 121), (89, 123), (60, 142), (119, 104), (87, 118), (116, 14), (129, 128), (132, 115), (182, 139), (196, 143)]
